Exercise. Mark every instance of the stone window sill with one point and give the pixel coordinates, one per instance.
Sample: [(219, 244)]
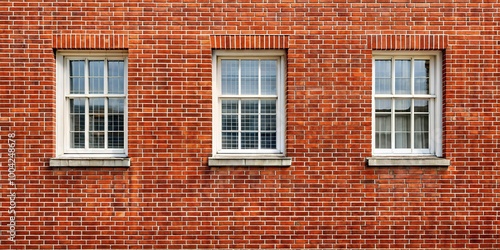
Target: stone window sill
[(430, 161), (238, 160), (90, 162)]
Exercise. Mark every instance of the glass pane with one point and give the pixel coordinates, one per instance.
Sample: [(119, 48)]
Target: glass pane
[(421, 86), (250, 77), (421, 68), (383, 131), (268, 106), (116, 77), (77, 77), (250, 106), (268, 140), (249, 122), (402, 130), (403, 105), (77, 122), (96, 114), (77, 139), (230, 106), (96, 139), (249, 140), (96, 77), (268, 78), (249, 115), (116, 105), (116, 68), (230, 115), (115, 139), (421, 105), (229, 77), (268, 115), (383, 105), (96, 122), (229, 140), (421, 76), (229, 122), (268, 123), (382, 76), (116, 122), (421, 131), (403, 74)]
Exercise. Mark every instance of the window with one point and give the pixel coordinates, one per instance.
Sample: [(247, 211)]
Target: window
[(91, 104), (407, 104), (249, 116)]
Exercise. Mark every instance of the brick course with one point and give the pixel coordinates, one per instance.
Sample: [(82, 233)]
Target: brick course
[(169, 198)]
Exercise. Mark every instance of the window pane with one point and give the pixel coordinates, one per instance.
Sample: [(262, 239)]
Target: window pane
[(229, 77), (382, 76), (268, 106), (116, 68), (96, 139), (402, 130), (268, 140), (250, 106), (96, 122), (383, 105), (249, 122), (96, 77), (403, 74), (77, 77), (230, 115), (249, 115), (249, 140), (421, 131), (421, 76), (268, 123), (115, 139), (116, 106), (403, 105), (383, 131), (77, 139), (268, 115), (229, 122), (116, 77), (421, 106), (229, 140), (268, 78), (249, 77), (77, 122), (230, 106), (116, 122), (96, 114)]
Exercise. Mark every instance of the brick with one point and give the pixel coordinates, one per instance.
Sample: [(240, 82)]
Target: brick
[(166, 196)]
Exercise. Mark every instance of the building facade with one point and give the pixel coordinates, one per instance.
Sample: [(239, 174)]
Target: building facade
[(269, 124)]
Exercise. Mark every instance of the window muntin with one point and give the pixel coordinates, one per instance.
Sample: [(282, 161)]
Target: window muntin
[(249, 100), (93, 103), (406, 105)]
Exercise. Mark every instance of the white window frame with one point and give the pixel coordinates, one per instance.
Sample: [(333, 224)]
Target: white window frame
[(218, 55), (434, 96), (62, 104)]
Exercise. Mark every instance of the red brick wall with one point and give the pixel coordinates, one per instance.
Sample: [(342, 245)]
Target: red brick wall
[(170, 199)]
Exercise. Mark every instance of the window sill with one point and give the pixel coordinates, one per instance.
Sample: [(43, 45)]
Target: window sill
[(239, 160), (90, 162), (431, 161)]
